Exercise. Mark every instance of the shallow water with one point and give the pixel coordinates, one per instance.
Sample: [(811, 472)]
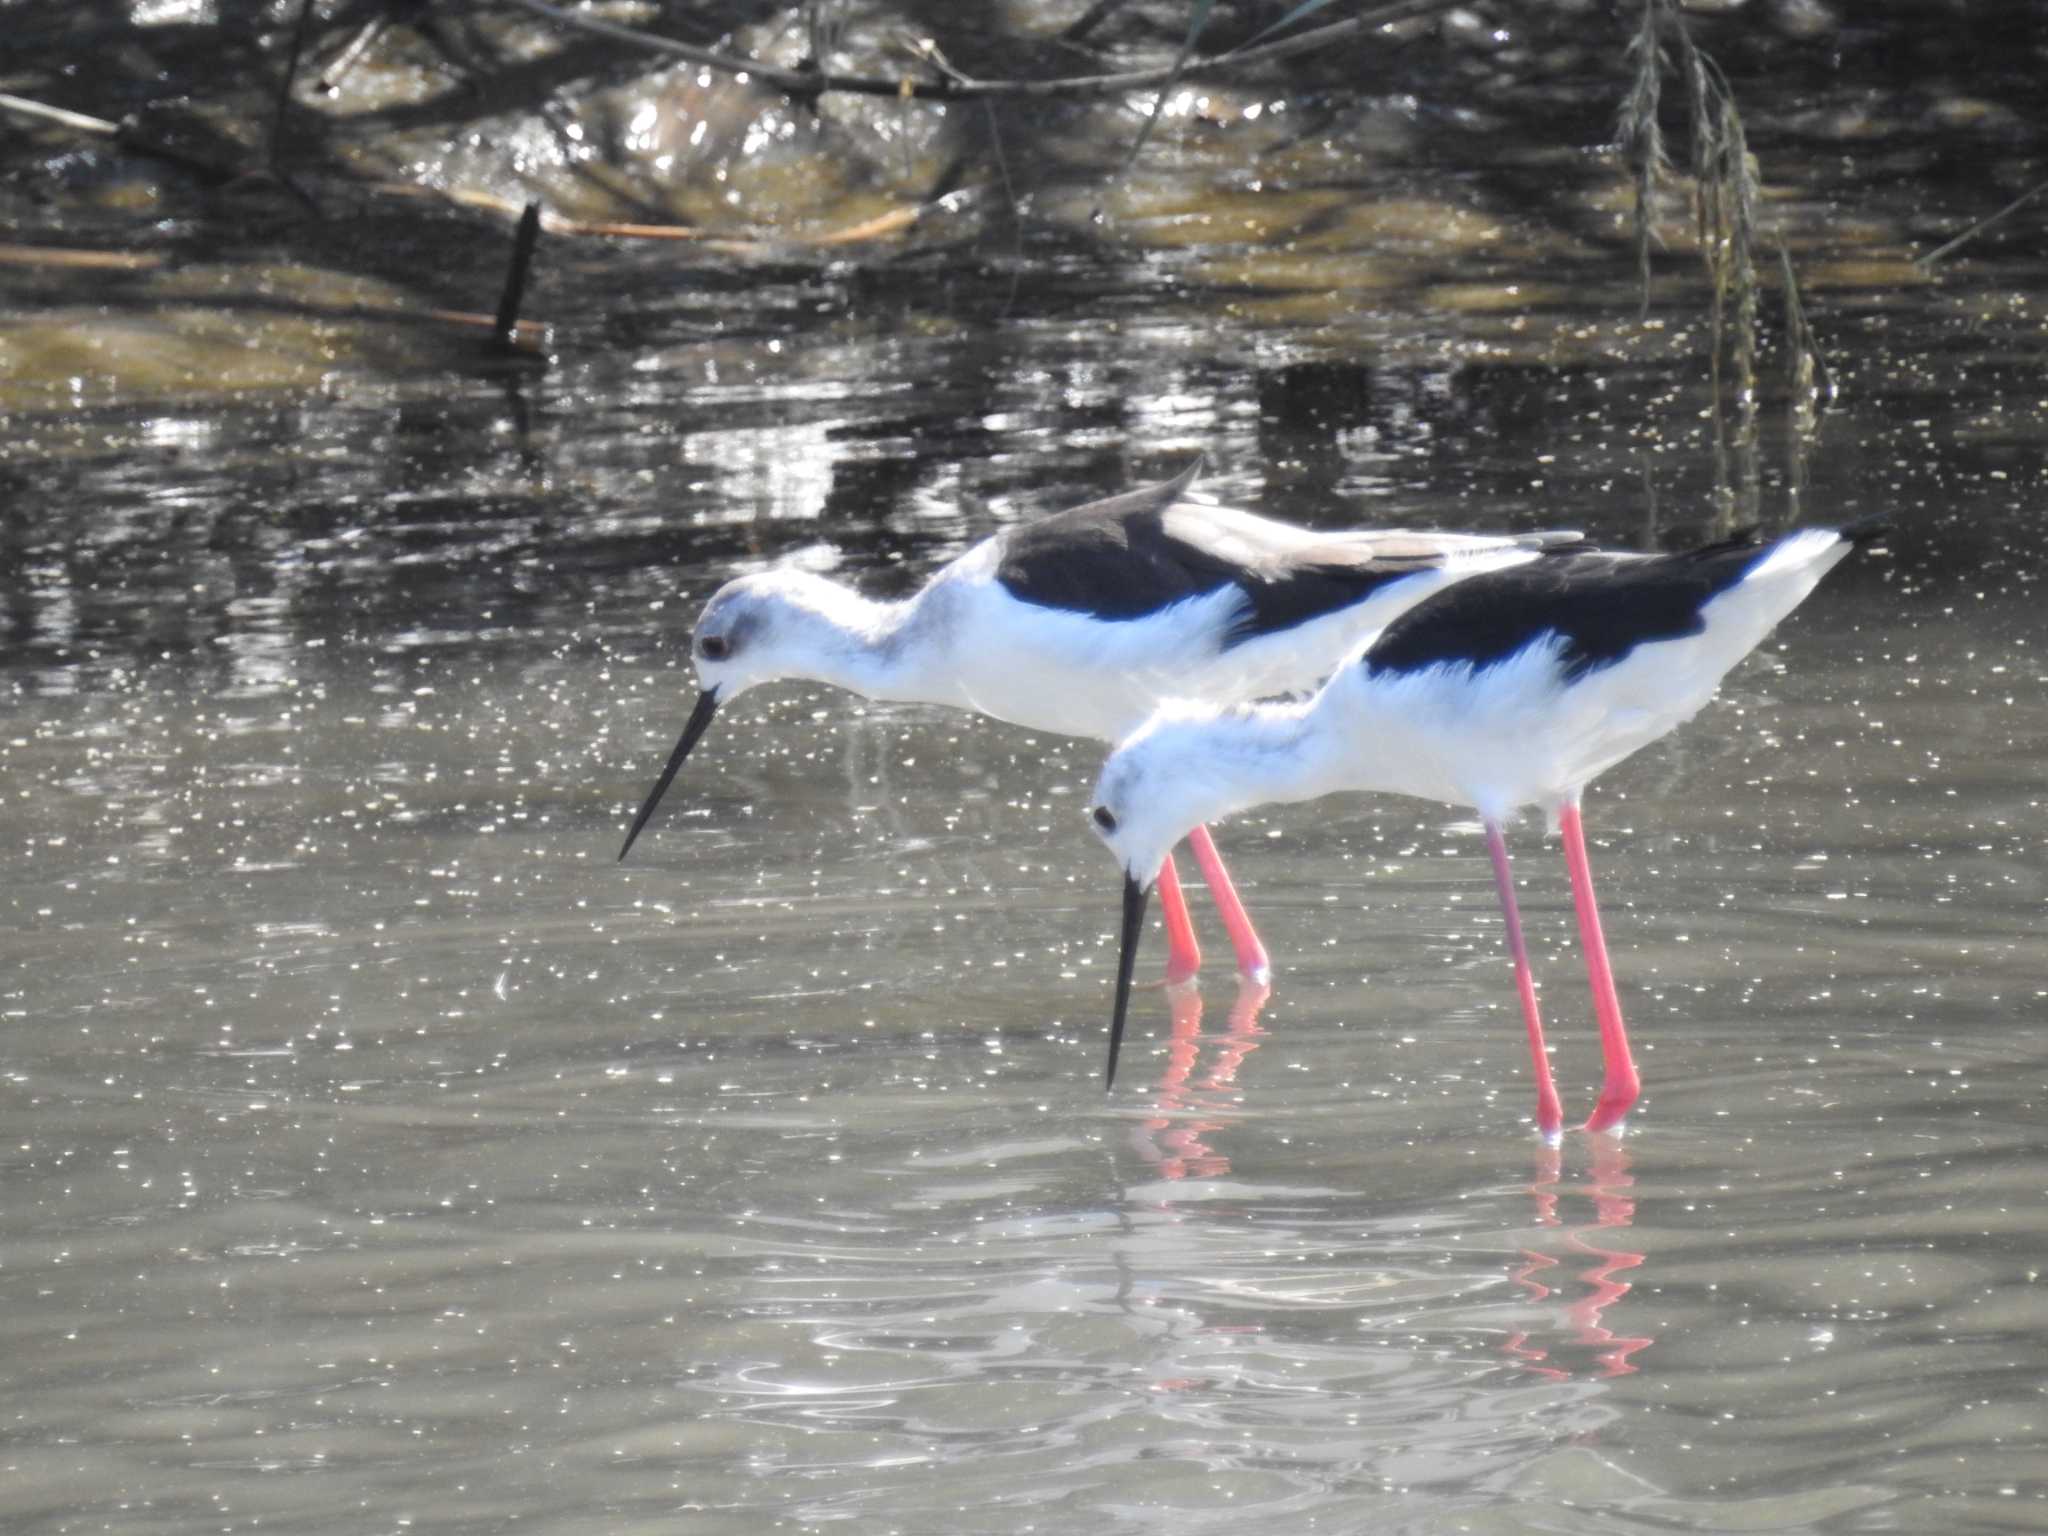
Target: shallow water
[(381, 1154)]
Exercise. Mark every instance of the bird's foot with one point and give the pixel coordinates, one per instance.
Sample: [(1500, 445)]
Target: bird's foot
[(1610, 1115)]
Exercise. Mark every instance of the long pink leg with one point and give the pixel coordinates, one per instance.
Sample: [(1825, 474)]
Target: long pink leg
[(1183, 954), (1620, 1085), (1549, 1113), (1252, 960)]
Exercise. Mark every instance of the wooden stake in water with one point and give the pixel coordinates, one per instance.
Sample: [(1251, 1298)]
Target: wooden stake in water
[(515, 278)]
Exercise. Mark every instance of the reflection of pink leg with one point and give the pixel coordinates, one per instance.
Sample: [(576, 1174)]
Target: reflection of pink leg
[(1614, 1209), (1251, 954), (1184, 1045), (1183, 954), (1242, 1032), (1157, 1140), (1549, 1113), (1620, 1085), (1544, 1189)]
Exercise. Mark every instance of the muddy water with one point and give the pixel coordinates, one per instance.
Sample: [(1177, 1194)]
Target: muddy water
[(379, 1154)]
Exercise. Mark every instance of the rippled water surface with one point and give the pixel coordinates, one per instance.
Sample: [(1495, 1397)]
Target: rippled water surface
[(380, 1154)]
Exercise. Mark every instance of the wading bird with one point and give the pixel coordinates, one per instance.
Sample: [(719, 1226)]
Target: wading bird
[(1083, 622), (1515, 688)]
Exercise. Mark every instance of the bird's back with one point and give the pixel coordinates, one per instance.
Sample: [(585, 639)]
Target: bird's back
[(1599, 606), (1135, 555), (1525, 683)]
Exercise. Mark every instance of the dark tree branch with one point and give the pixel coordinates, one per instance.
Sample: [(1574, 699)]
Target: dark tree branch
[(956, 87)]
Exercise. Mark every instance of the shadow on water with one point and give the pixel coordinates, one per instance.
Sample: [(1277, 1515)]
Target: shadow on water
[(375, 1141)]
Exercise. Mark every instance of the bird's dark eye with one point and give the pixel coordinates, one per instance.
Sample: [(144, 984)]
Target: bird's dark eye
[(713, 647), (1104, 818)]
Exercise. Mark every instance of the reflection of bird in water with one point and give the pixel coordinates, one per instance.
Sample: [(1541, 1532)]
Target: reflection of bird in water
[(1515, 688), (1083, 622), (1614, 1210), (1177, 1146)]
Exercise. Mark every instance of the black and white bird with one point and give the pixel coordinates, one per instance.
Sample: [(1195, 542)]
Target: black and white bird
[(1516, 688), (1084, 622)]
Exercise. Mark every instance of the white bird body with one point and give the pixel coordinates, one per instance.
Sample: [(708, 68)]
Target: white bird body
[(1516, 688), (1499, 736), (1084, 622), (967, 642)]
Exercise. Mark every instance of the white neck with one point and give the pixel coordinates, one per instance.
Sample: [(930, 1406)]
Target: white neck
[(862, 644), (1353, 735), (1269, 753)]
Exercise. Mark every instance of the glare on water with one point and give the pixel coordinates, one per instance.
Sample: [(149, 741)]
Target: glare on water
[(379, 1153)]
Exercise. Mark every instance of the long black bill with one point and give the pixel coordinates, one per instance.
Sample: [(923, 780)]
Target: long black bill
[(1135, 897), (700, 717)]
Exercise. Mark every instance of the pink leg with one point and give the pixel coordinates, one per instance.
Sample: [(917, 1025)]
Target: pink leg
[(1251, 954), (1549, 1113), (1620, 1085), (1183, 954)]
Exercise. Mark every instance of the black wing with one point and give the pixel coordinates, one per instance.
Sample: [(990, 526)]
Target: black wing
[(1098, 559), (1601, 605), (1135, 554)]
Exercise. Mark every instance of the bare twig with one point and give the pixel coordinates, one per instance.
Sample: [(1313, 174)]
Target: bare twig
[(78, 122), (881, 226), (351, 55), (894, 221), (90, 261), (527, 335), (1981, 225), (1198, 18), (291, 74), (1090, 19), (804, 82)]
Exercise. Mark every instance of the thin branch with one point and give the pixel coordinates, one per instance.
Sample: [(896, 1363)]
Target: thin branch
[(351, 55), (1981, 225), (892, 222), (77, 260), (78, 122), (808, 82), (1198, 18), (300, 33), (131, 133), (1090, 19)]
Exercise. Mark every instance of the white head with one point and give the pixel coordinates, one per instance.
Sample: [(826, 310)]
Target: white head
[(1184, 767), (1162, 782), (770, 625), (758, 628)]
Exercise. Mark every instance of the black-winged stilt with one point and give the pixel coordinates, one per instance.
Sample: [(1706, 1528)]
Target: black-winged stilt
[(1515, 688), (1083, 622)]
